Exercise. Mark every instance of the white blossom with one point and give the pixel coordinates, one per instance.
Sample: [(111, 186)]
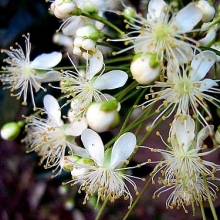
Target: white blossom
[(186, 88), (50, 137), (183, 167), (164, 32), (104, 174), (25, 74), (86, 88)]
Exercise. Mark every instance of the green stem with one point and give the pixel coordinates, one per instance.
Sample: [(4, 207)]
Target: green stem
[(137, 199), (104, 21), (202, 211), (215, 217), (101, 209)]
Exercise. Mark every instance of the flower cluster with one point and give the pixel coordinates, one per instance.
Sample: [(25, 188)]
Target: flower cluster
[(171, 71)]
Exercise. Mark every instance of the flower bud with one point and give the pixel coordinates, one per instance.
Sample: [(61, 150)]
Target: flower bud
[(88, 44), (145, 68), (66, 162), (63, 9), (102, 116), (79, 171), (89, 7), (11, 130), (207, 10), (89, 31), (217, 135), (130, 14)]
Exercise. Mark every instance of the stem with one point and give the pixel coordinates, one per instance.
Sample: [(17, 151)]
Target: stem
[(101, 209), (104, 21), (137, 199), (215, 217), (202, 211)]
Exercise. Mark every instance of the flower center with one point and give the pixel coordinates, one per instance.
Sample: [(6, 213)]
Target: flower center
[(184, 87), (27, 70), (162, 32)]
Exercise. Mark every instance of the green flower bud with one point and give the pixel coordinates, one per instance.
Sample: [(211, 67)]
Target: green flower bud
[(11, 130), (129, 13), (88, 7)]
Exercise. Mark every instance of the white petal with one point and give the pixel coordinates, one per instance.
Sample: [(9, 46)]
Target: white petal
[(183, 53), (96, 64), (52, 108), (111, 80), (210, 36), (76, 127), (79, 151), (183, 130), (93, 144), (156, 9), (187, 18), (206, 84), (46, 60), (50, 76), (36, 84), (122, 149), (203, 134), (201, 64), (72, 25)]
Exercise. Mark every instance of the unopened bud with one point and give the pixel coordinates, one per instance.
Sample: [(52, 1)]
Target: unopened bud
[(145, 68), (63, 9), (208, 11), (79, 171), (11, 130), (89, 7), (129, 13), (102, 116), (89, 31)]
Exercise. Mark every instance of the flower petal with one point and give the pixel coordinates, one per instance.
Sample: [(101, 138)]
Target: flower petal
[(207, 84), (156, 9), (203, 134), (187, 18), (183, 130), (50, 76), (210, 36), (93, 144), (46, 60), (201, 64), (111, 80), (52, 108), (96, 64), (76, 127), (122, 149), (82, 152)]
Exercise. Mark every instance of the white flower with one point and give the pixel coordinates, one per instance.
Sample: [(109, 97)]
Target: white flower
[(51, 137), (105, 175), (164, 32), (87, 88), (184, 90), (183, 167), (24, 74)]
